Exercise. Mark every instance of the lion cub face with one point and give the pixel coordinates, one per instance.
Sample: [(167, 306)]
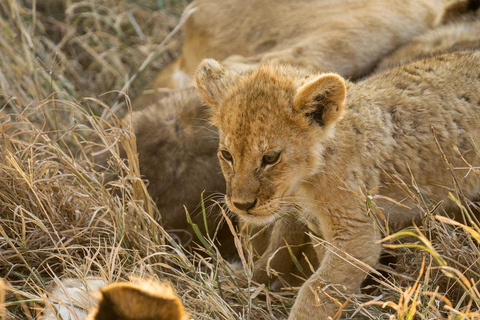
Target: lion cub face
[(272, 122)]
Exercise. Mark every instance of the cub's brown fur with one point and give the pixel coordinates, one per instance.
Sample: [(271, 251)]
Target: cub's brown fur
[(177, 155), (461, 34), (174, 142), (345, 36), (291, 143), (142, 301)]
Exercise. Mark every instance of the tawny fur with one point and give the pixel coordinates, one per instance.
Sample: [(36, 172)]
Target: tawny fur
[(463, 33), (345, 36), (333, 146)]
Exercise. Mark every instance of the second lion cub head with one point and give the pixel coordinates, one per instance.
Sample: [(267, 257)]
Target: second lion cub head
[(264, 157)]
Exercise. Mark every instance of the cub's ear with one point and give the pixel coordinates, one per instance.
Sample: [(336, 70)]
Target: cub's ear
[(322, 98), (212, 80), (455, 9), (127, 301)]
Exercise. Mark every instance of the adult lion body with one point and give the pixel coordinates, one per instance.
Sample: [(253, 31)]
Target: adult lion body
[(307, 145), (460, 34), (345, 36)]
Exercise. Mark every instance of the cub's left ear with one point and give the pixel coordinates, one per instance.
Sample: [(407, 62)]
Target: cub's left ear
[(322, 98)]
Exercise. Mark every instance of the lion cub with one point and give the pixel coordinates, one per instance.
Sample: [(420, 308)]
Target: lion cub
[(309, 145)]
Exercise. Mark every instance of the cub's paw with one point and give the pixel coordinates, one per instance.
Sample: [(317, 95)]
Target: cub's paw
[(259, 275)]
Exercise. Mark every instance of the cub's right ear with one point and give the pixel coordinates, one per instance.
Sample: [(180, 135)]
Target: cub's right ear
[(455, 9), (322, 98), (212, 80)]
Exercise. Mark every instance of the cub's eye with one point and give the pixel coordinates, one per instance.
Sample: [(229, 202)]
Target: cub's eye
[(270, 158), (226, 155)]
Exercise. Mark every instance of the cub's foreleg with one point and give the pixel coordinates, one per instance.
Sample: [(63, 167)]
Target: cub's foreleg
[(289, 253), (351, 248)]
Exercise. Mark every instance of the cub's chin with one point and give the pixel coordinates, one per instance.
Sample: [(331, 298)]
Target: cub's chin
[(257, 220)]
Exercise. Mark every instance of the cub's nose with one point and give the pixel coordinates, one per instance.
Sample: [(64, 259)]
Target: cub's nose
[(245, 206)]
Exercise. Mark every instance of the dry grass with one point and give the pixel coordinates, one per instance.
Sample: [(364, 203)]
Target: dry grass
[(63, 64)]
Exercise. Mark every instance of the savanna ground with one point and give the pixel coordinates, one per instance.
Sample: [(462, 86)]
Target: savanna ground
[(68, 69)]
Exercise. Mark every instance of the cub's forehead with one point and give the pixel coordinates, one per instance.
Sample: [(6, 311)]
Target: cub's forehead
[(259, 131), (251, 94), (257, 98), (257, 108), (255, 117), (251, 144)]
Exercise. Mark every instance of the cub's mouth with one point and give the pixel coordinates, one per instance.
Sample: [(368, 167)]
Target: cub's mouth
[(252, 213), (257, 220)]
